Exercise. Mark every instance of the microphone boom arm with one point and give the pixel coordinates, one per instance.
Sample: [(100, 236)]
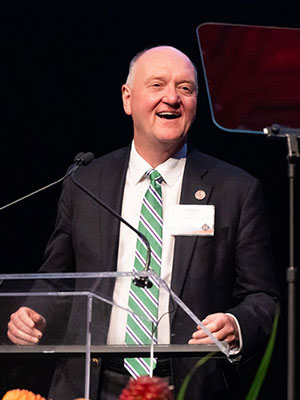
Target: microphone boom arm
[(80, 160), (36, 191), (140, 281)]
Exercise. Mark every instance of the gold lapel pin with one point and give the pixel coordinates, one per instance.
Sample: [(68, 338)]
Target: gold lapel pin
[(200, 195)]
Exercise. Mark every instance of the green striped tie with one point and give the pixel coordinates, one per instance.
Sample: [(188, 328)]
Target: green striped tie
[(144, 301)]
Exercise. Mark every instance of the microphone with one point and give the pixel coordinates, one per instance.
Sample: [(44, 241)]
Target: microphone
[(141, 281), (81, 159)]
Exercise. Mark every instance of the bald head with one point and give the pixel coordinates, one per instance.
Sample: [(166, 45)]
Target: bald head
[(166, 51)]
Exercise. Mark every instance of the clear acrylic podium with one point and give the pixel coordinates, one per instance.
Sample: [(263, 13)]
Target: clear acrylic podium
[(77, 308)]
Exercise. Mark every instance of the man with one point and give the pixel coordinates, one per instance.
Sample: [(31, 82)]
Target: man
[(224, 279)]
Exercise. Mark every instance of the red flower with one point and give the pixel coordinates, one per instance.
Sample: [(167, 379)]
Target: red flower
[(146, 388)]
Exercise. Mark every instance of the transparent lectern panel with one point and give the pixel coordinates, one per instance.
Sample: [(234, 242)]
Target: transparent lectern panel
[(60, 301), (252, 75), (85, 322), (83, 309), (76, 307)]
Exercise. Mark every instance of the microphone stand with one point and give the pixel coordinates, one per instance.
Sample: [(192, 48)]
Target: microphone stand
[(35, 192), (79, 161), (141, 281), (291, 274), (293, 154)]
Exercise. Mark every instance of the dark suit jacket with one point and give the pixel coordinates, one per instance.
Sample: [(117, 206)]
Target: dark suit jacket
[(230, 272)]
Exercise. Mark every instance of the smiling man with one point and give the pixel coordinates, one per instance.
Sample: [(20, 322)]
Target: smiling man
[(225, 279)]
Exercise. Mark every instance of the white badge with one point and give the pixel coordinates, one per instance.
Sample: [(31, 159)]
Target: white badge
[(191, 220)]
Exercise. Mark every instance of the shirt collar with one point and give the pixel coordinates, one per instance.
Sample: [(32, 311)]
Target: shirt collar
[(170, 170)]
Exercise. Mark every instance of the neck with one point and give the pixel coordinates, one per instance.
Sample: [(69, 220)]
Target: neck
[(159, 154)]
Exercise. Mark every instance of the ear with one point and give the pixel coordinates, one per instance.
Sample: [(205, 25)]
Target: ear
[(126, 97)]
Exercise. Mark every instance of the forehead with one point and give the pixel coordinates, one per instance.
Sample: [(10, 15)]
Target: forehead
[(164, 61)]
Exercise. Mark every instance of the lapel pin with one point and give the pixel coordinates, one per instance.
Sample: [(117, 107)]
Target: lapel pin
[(200, 195)]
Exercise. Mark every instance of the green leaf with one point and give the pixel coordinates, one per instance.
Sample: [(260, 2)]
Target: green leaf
[(187, 379), (264, 364), (261, 371)]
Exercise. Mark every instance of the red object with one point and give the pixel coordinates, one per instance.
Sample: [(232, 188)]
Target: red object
[(146, 388)]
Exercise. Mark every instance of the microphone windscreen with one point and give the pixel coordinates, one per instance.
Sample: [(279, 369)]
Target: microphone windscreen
[(84, 158), (87, 158)]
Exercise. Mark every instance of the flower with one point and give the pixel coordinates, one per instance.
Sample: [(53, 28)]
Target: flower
[(21, 394), (146, 388)]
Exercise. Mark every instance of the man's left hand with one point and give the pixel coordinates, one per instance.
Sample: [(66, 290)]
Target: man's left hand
[(222, 326)]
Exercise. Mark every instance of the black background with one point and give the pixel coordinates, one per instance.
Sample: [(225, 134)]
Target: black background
[(62, 68)]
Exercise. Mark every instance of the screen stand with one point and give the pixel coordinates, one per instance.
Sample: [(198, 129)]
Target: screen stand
[(291, 275)]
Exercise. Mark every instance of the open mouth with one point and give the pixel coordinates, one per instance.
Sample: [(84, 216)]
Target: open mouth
[(168, 115)]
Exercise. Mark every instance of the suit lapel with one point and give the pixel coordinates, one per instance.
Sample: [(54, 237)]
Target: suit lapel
[(111, 188), (193, 181)]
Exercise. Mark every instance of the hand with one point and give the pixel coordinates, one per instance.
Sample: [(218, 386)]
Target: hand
[(26, 326), (222, 326)]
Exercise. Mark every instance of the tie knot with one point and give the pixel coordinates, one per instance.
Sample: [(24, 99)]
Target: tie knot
[(154, 176)]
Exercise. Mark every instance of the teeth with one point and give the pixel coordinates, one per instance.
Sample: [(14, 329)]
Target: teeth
[(168, 115)]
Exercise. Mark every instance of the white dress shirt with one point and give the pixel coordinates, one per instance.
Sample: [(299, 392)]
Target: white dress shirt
[(136, 185)]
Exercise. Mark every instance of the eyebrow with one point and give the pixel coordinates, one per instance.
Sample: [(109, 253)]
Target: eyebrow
[(161, 78), (153, 77)]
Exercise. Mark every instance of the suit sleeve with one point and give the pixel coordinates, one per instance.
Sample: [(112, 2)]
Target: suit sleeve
[(59, 254), (255, 291), (59, 258)]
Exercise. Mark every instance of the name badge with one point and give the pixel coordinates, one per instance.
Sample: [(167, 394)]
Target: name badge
[(191, 220)]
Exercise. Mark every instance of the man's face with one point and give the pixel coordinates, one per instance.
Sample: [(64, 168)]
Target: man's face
[(161, 98)]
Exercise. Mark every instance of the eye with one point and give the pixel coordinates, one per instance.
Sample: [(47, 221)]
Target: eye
[(156, 84), (186, 89)]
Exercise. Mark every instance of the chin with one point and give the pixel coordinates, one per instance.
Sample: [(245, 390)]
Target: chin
[(173, 138)]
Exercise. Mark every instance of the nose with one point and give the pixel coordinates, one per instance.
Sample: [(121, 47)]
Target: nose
[(171, 96)]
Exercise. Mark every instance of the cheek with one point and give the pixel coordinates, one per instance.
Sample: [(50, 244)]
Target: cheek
[(145, 102), (191, 111), (141, 108)]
